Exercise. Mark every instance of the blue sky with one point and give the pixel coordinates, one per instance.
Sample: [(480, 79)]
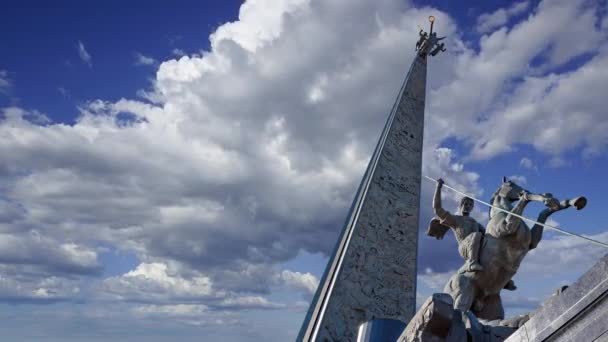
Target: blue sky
[(181, 170), (111, 33)]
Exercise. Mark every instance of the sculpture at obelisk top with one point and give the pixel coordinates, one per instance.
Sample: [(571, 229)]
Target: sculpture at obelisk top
[(429, 43), (474, 291)]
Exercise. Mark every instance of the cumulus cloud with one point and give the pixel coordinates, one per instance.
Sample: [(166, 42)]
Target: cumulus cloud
[(249, 302), (546, 109), (17, 286), (298, 280), (538, 110), (489, 21), (570, 253), (84, 54), (519, 179), (171, 285), (49, 254), (152, 283), (528, 164), (251, 152), (5, 82), (144, 60), (178, 52)]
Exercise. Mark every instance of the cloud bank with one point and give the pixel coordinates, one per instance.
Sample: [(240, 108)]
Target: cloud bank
[(249, 153)]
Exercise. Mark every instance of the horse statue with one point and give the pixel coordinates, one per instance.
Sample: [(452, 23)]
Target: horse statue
[(470, 309), (506, 241)]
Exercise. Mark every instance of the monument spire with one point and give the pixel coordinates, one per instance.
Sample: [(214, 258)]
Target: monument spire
[(372, 271)]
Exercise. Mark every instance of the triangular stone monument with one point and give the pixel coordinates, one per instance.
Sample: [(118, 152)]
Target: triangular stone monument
[(372, 272)]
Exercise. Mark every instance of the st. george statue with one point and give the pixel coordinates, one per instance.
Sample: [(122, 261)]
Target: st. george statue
[(471, 304), (492, 256)]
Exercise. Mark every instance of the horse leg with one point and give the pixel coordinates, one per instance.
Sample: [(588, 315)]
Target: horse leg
[(537, 230), (491, 308), (513, 222), (462, 290)]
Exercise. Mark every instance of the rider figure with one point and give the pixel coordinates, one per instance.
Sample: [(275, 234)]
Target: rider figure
[(423, 37), (438, 48), (467, 231)]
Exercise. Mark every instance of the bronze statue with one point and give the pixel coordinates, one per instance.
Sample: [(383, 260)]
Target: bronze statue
[(471, 303), (438, 48), (428, 43), (467, 231), (507, 240), (423, 36)]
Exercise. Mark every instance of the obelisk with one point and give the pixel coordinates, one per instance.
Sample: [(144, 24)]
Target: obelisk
[(372, 272)]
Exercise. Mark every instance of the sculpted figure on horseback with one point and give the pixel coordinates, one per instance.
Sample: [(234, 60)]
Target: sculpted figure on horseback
[(494, 255)]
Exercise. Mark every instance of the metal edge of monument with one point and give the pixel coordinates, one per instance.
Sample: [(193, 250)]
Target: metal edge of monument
[(367, 292), (369, 284)]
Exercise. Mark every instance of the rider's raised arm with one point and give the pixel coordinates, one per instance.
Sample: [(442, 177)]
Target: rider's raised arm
[(444, 215)]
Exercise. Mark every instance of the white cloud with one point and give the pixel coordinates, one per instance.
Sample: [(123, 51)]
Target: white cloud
[(519, 179), (249, 302), (298, 280), (158, 283), (152, 282), (17, 116), (16, 286), (84, 55), (551, 107), (516, 108), (260, 22), (252, 151), (528, 164), (47, 253), (144, 60), (489, 21), (5, 82), (570, 253), (178, 52)]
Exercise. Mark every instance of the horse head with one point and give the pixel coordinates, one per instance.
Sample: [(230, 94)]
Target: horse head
[(509, 190), (507, 193)]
